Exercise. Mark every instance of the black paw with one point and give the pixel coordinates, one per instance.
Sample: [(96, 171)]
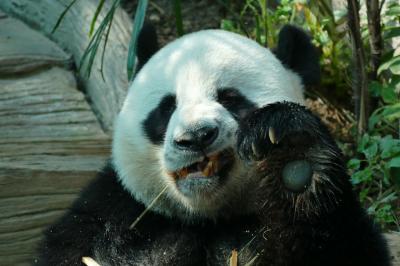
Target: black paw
[(282, 125), (288, 141), (300, 166)]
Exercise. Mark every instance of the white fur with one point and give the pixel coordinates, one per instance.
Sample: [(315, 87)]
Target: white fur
[(192, 68)]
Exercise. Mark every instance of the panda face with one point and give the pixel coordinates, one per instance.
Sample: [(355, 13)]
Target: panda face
[(177, 127)]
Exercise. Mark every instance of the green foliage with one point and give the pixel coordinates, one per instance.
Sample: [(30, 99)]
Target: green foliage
[(261, 22), (376, 166), (178, 17), (376, 173), (103, 30), (254, 19)]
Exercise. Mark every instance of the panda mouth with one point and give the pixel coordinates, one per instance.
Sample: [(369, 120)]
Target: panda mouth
[(212, 165)]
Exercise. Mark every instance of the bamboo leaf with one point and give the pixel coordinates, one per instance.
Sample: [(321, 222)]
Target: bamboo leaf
[(103, 29), (178, 17), (61, 17), (96, 14), (104, 48), (137, 26)]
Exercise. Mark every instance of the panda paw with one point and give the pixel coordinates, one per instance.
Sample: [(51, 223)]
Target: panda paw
[(300, 167), (282, 125), (287, 140)]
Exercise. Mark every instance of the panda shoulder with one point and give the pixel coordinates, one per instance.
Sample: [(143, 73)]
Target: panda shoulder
[(104, 195)]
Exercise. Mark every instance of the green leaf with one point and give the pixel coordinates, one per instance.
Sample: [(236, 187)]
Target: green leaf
[(395, 66), (361, 176), (386, 176), (388, 113), (363, 194), (389, 147), (374, 119), (61, 17), (393, 11), (375, 88), (227, 24), (137, 26), (91, 50), (371, 151), (96, 14), (394, 163), (388, 94), (386, 65), (391, 197), (354, 164), (394, 168), (391, 112), (178, 17), (362, 145), (393, 151), (391, 32)]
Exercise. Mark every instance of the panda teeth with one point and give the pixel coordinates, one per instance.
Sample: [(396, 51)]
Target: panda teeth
[(209, 166), (202, 165), (209, 169)]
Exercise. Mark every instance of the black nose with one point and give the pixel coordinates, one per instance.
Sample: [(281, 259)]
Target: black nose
[(198, 139)]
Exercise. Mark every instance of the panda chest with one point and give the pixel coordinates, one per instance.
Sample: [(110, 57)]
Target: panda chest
[(201, 246)]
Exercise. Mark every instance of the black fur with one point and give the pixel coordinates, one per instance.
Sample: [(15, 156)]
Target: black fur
[(97, 226), (147, 45), (323, 225), (297, 53), (156, 123), (236, 103)]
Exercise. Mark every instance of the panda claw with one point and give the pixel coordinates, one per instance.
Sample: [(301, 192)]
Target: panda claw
[(280, 126), (255, 151), (272, 135)]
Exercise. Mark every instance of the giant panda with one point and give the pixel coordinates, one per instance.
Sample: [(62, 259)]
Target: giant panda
[(215, 158)]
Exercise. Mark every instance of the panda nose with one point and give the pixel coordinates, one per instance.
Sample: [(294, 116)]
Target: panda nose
[(198, 139)]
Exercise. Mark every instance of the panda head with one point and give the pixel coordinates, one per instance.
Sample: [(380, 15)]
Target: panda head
[(176, 131)]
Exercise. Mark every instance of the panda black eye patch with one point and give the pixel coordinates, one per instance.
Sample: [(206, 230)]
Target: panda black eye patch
[(236, 103), (155, 125)]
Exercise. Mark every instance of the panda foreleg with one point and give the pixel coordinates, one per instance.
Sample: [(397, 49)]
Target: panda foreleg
[(305, 196)]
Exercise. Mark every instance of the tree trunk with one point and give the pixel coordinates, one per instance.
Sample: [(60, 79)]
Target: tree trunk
[(375, 40), (360, 82)]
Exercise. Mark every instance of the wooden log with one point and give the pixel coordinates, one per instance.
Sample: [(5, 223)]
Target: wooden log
[(23, 50), (393, 239), (106, 95), (51, 146)]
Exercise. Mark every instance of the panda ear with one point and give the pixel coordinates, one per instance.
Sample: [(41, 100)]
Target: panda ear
[(297, 53), (147, 45)]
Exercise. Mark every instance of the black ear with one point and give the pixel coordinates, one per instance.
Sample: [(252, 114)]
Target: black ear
[(297, 53), (147, 45)]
